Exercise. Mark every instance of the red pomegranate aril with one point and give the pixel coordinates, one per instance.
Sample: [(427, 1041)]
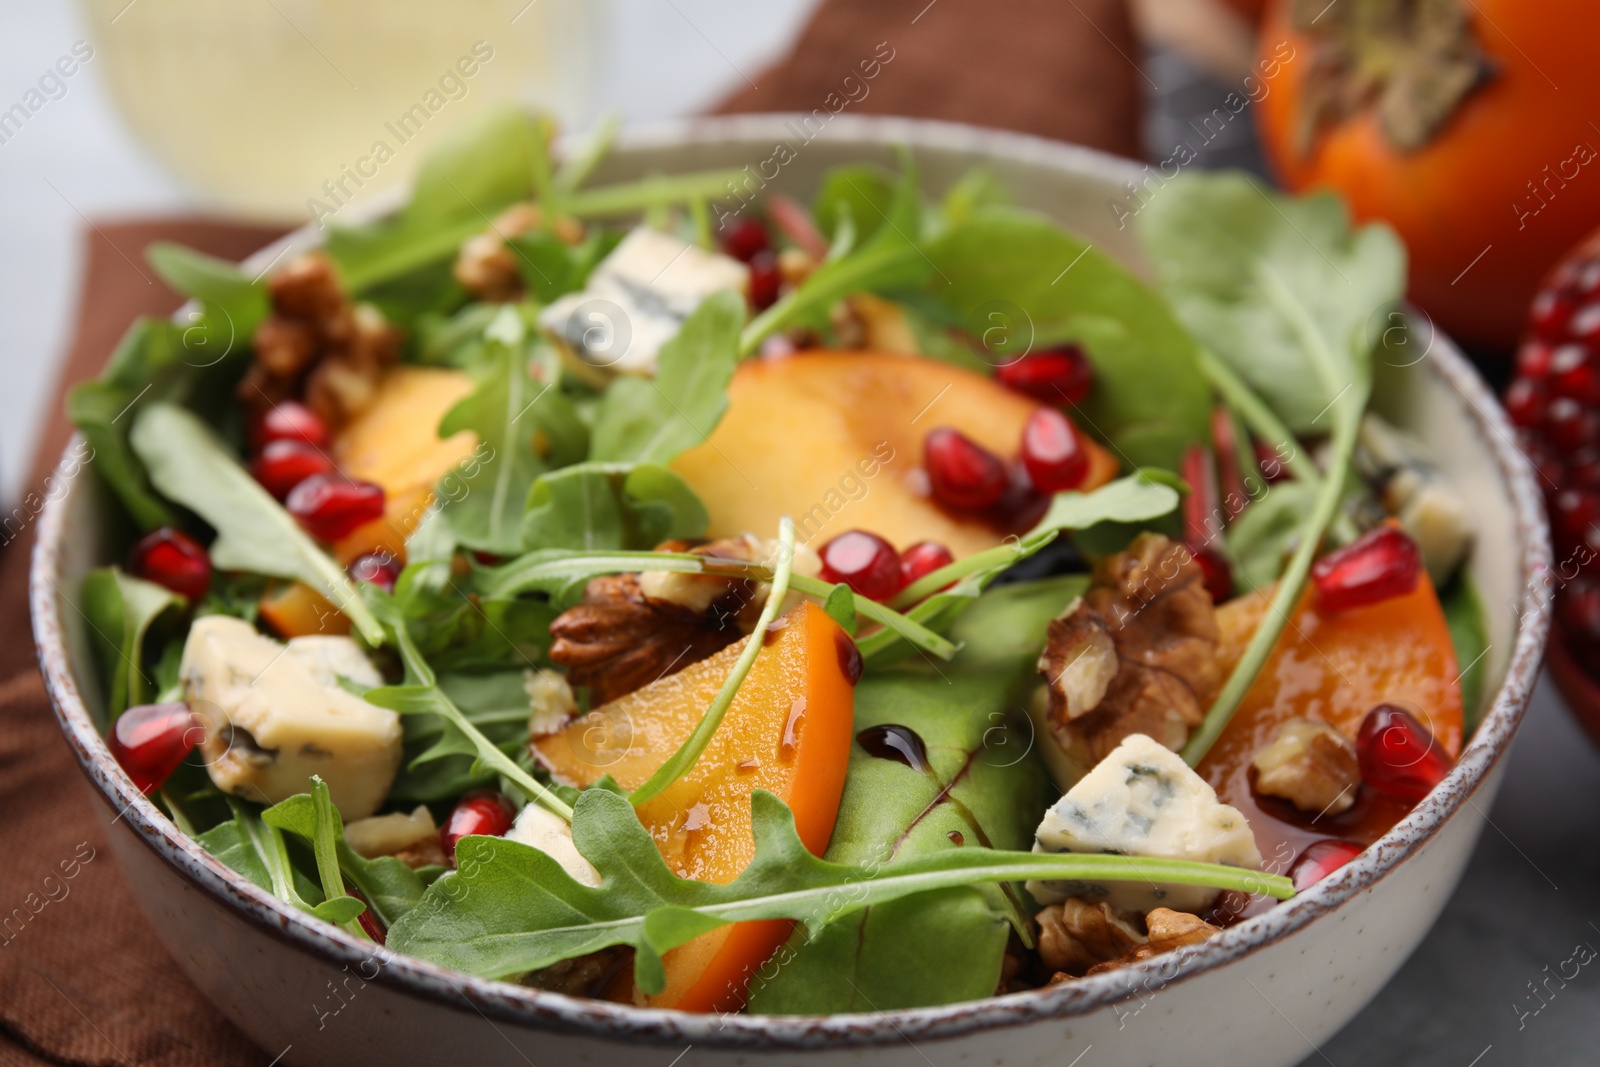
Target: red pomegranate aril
[(1533, 360), (289, 420), (962, 473), (1215, 571), (1546, 464), (1578, 619), (173, 559), (1584, 468), (482, 811), (765, 280), (1398, 756), (922, 559), (379, 568), (747, 239), (1570, 425), (1525, 402), (1575, 511), (1378, 566), (1055, 376), (150, 741), (1052, 453), (1572, 374), (1585, 323), (329, 506), (1549, 315), (1320, 859), (284, 464), (865, 562), (1584, 279)]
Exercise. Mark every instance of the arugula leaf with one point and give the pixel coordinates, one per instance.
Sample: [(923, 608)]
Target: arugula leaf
[(421, 695), (643, 420), (256, 849), (859, 195), (496, 703), (841, 607), (389, 885), (982, 780), (220, 286), (1282, 289), (1463, 613), (890, 259), (484, 506), (510, 908), (120, 609), (603, 506), (1262, 536), (189, 465), (1149, 400)]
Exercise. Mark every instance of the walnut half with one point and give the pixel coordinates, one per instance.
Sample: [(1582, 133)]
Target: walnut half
[(1137, 654), (1076, 935), (1311, 765)]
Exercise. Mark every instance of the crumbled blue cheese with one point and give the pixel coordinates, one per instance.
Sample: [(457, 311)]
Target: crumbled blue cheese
[(1143, 800), (635, 302), (551, 835), (276, 714), (550, 700)]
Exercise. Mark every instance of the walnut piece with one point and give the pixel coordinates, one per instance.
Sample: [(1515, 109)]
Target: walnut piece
[(1311, 765), (488, 268), (1168, 931), (315, 340), (1137, 654), (1076, 935)]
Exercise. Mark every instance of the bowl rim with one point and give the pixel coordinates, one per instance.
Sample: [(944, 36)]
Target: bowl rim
[(661, 1027)]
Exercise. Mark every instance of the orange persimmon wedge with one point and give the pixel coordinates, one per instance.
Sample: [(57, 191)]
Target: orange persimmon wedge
[(788, 731), (1335, 668)]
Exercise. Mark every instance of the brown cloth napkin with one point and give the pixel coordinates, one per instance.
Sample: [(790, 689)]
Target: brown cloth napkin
[(82, 978)]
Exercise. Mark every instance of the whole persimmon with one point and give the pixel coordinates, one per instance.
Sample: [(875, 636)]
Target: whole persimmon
[(1464, 125)]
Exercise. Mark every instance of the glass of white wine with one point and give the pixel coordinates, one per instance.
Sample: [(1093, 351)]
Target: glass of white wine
[(268, 108)]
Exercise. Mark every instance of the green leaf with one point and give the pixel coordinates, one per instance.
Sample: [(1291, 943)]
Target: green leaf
[(388, 884), (1047, 287), (188, 464), (841, 606), (1140, 497), (119, 609), (1264, 535), (510, 908), (891, 259), (256, 849), (221, 287), (1282, 289), (859, 195), (597, 507), (982, 780), (644, 420), (551, 268), (496, 703), (1463, 613), (508, 410)]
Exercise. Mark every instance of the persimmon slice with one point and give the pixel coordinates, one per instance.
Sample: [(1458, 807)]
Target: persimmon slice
[(788, 731), (1335, 668)]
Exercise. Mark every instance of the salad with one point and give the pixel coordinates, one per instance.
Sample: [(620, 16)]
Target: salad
[(724, 602)]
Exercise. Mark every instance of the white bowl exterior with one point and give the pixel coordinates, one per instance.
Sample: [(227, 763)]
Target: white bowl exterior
[(1264, 992)]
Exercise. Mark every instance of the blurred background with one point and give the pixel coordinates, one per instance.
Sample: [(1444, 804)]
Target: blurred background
[(245, 108)]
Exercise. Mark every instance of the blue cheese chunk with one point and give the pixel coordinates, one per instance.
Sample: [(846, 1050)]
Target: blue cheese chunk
[(1143, 800), (636, 301), (551, 835), (276, 714)]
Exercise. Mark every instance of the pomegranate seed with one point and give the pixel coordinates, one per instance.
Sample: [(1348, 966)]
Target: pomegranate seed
[(329, 506), (1571, 426), (746, 240), (1576, 511), (1585, 468), (764, 280), (865, 562), (922, 559), (1398, 756), (285, 463), (482, 811), (1021, 506), (1533, 360), (289, 421), (1232, 489), (1585, 279), (1572, 374), (173, 559), (150, 740), (1271, 465), (962, 473), (1585, 323), (1320, 859), (1055, 376), (1549, 315), (1217, 574), (379, 568), (1525, 401), (1379, 565), (1546, 464), (794, 221), (1051, 452)]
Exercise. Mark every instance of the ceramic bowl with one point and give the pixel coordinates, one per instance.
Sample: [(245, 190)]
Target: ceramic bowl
[(1264, 992)]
